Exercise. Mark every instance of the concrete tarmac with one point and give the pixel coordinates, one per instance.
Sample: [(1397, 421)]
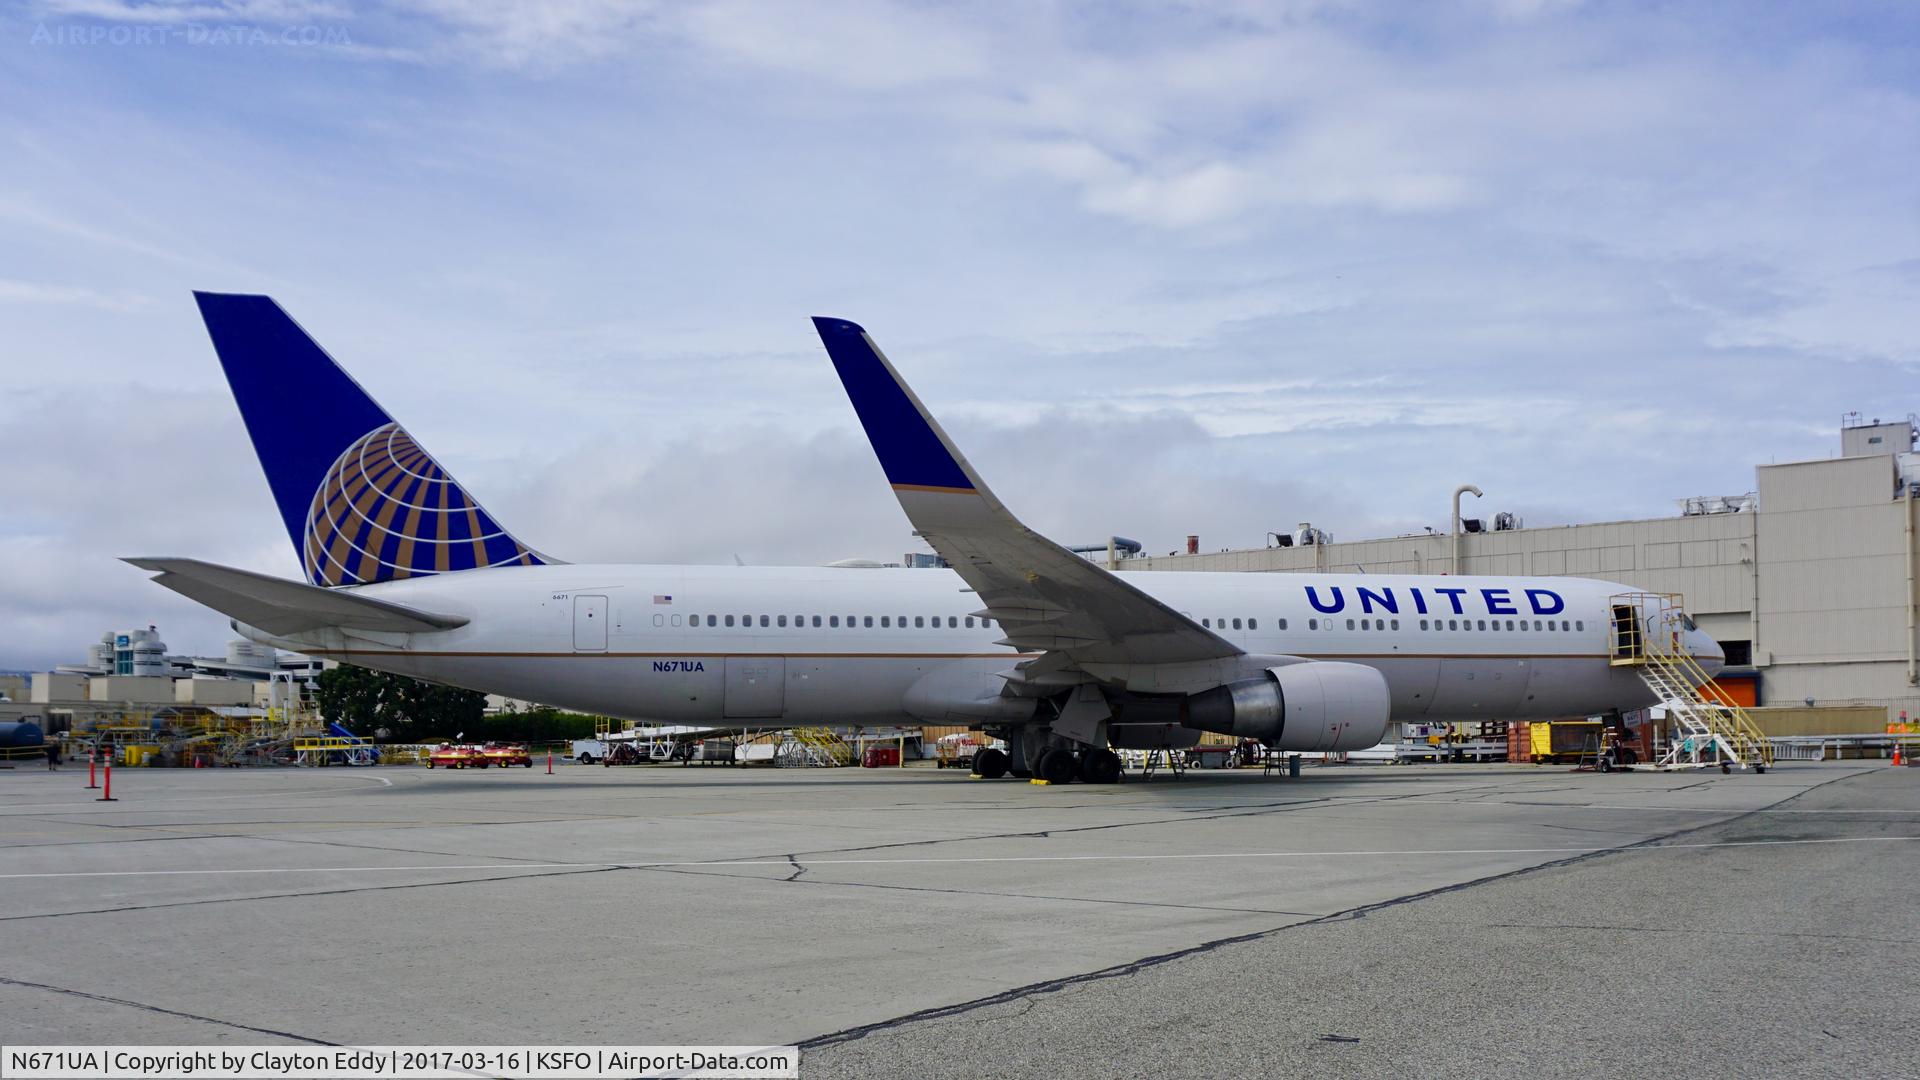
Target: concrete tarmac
[(1433, 920)]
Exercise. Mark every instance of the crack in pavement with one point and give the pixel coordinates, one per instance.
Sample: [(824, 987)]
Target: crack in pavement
[(795, 879), (164, 1011), (312, 893)]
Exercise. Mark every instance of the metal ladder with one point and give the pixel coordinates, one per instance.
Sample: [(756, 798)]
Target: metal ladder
[(813, 747), (1651, 642)]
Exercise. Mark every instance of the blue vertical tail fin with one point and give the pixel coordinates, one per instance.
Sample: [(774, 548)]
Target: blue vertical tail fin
[(362, 501)]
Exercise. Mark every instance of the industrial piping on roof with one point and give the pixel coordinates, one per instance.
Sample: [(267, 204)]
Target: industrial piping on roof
[(1463, 489)]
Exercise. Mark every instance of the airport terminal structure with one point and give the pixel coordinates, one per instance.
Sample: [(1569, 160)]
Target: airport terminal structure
[(1808, 581)]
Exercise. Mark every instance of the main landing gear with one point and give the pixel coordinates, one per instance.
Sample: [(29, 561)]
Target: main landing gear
[(1057, 765), (1100, 766)]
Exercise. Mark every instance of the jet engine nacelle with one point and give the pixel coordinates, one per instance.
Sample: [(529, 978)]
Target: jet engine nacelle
[(1321, 705)]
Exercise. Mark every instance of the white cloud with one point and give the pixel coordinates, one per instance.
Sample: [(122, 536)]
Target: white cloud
[(34, 292), (509, 34)]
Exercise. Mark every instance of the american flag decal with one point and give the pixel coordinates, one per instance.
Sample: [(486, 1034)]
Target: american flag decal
[(659, 599)]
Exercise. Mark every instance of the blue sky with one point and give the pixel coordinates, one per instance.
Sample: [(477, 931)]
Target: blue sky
[(1210, 267)]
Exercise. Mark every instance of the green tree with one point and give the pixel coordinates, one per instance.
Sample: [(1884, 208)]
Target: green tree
[(367, 702)]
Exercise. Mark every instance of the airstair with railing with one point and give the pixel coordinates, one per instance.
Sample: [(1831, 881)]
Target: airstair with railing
[(1649, 635), (813, 747)]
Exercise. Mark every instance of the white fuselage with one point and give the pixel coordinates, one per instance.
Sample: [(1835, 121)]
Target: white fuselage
[(835, 646)]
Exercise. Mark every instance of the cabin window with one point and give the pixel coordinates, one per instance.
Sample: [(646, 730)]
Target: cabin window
[(1208, 623), (869, 621), (1349, 624), (886, 620), (1236, 624), (782, 620), (816, 620), (1312, 624), (1423, 624), (729, 620), (903, 622), (765, 620), (1253, 624), (1581, 624), (918, 620), (969, 622), (1453, 624), (1283, 624), (833, 621), (1483, 624), (1396, 624)]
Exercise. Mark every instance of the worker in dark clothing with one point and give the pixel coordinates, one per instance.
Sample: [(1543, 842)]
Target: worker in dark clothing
[(53, 756)]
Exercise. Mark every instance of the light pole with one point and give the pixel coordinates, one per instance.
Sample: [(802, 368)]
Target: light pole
[(1463, 489)]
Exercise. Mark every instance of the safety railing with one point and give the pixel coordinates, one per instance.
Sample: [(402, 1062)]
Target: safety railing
[(1649, 633)]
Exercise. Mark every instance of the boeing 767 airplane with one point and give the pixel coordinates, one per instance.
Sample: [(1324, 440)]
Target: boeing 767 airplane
[(405, 572)]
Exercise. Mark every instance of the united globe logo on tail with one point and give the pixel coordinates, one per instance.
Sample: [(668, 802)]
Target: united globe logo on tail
[(386, 510)]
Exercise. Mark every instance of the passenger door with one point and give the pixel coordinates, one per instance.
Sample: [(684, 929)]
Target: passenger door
[(589, 624), (756, 686)]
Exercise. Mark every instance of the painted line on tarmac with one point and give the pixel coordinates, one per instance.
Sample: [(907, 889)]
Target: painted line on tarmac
[(1666, 809), (786, 864), (68, 807)]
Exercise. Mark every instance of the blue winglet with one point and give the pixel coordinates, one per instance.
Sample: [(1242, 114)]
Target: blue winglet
[(361, 500), (910, 449)]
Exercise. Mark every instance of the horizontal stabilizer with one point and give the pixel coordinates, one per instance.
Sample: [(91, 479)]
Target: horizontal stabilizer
[(279, 606)]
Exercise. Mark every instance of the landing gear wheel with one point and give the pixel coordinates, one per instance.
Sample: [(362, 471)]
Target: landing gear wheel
[(1057, 766), (1726, 769), (990, 764), (1100, 767)]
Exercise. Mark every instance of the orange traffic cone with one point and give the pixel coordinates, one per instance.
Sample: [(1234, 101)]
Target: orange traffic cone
[(1897, 759)]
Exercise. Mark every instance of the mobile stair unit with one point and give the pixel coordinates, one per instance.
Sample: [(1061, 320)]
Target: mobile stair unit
[(1649, 635), (813, 748)]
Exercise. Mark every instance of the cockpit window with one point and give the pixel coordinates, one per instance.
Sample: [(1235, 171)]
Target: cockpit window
[(1687, 621)]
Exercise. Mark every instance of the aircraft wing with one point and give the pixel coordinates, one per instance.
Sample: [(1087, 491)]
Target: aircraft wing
[(1046, 598), (279, 606)]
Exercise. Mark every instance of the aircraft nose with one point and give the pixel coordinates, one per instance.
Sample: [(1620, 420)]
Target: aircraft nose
[(1706, 652)]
